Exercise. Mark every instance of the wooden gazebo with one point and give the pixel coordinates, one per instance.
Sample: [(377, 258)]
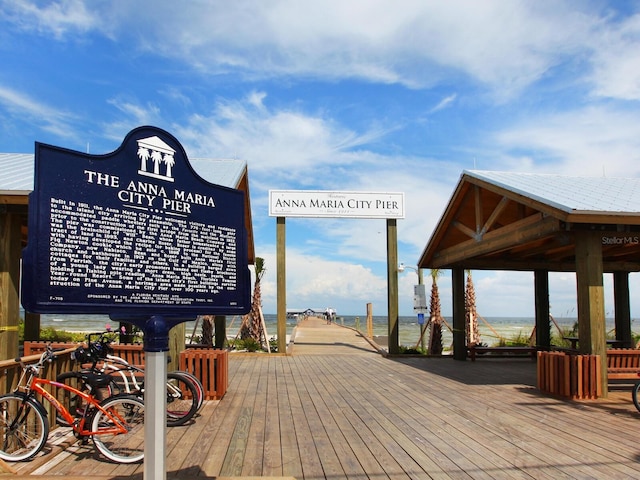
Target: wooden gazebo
[(544, 223)]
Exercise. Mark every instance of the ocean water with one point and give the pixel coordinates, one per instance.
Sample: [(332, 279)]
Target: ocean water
[(492, 329)]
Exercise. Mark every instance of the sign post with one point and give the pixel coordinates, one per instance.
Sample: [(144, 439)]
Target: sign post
[(420, 307), (138, 235)]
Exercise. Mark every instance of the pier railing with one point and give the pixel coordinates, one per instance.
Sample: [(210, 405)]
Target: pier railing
[(10, 372)]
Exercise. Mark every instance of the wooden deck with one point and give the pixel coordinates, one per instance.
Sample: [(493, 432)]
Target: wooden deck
[(336, 409)]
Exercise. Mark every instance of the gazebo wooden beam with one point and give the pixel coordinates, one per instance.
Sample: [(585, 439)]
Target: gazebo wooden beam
[(532, 227), (530, 265)]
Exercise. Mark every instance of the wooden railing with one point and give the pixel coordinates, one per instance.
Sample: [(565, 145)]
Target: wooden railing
[(211, 366), (623, 364), (10, 372), (131, 352)]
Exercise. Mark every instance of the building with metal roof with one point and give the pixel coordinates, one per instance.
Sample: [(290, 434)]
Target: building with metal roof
[(543, 223)]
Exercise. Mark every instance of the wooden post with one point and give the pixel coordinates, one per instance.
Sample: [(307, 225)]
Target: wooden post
[(177, 344), (220, 331), (369, 320), (543, 327), (591, 318), (392, 285), (459, 337), (10, 245), (622, 308), (281, 283), (31, 326)]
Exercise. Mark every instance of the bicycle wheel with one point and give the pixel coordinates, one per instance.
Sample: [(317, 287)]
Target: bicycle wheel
[(635, 393), (24, 427), (122, 411), (182, 399), (197, 383)]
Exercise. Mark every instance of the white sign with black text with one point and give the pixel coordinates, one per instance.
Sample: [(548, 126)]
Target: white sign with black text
[(322, 203)]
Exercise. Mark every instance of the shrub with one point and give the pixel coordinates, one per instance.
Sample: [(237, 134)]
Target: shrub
[(411, 350), (518, 340)]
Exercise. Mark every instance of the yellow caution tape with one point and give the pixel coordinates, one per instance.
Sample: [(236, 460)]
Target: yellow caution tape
[(9, 328)]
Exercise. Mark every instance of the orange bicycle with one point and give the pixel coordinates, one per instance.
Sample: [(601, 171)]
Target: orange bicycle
[(116, 425)]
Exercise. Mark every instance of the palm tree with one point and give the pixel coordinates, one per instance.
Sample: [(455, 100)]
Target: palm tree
[(435, 318), (471, 315), (207, 330), (253, 322)]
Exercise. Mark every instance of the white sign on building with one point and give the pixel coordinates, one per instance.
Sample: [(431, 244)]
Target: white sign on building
[(323, 203)]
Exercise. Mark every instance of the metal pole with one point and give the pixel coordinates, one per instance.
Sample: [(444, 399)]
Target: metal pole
[(155, 415)]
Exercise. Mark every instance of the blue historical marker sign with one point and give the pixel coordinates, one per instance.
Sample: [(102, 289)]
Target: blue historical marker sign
[(135, 233)]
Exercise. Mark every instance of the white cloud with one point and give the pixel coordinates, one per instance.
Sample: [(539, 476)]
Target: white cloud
[(506, 46), (592, 140), (60, 18), (49, 118), (444, 103), (616, 60), (273, 141), (313, 281)]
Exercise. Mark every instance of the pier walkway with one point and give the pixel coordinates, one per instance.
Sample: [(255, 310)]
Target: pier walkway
[(336, 409)]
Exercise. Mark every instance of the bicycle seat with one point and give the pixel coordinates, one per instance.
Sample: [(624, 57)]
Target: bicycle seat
[(96, 380)]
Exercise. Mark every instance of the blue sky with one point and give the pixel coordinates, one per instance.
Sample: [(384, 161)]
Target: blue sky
[(371, 95)]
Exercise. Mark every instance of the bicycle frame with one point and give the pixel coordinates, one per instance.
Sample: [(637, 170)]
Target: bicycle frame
[(36, 386), (115, 365)]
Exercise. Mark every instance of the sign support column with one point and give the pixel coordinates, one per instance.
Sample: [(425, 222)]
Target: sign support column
[(392, 285), (281, 283)]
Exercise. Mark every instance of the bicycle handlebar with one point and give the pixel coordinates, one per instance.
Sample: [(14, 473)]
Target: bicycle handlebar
[(47, 356)]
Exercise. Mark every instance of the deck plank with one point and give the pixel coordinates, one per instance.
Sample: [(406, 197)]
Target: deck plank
[(272, 459), (221, 451), (290, 453), (252, 463)]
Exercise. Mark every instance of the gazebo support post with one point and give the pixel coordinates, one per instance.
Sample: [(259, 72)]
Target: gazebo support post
[(591, 318), (622, 308), (459, 338), (543, 326), (10, 246)]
